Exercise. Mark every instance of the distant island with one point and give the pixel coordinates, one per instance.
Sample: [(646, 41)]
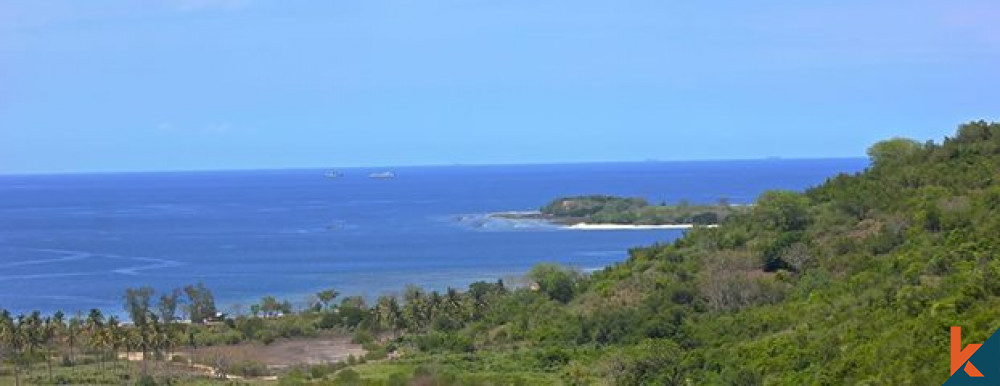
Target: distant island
[(615, 210)]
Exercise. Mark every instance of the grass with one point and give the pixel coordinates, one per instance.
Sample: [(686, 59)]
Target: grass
[(110, 373), (450, 369)]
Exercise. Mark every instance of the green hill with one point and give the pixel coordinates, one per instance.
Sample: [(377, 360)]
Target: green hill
[(855, 281)]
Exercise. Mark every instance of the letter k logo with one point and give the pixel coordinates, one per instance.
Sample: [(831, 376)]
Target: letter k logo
[(960, 356)]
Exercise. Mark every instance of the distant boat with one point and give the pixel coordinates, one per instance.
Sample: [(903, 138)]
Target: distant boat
[(382, 175), (334, 174)]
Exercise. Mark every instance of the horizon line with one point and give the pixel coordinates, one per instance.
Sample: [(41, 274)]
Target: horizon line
[(428, 165)]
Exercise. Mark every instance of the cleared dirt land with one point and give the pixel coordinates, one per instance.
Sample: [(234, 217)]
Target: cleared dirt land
[(280, 354)]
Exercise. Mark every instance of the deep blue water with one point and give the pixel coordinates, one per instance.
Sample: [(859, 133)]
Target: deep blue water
[(77, 241)]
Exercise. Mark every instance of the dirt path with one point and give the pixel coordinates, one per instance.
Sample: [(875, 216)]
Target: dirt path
[(206, 370)]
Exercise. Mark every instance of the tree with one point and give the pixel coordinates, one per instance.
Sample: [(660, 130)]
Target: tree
[(57, 324), (6, 332), (327, 296), (353, 301), (48, 335), (34, 333), (270, 306), (167, 306), (782, 210), (137, 304), (556, 281), (480, 295), (415, 310), (893, 151), (353, 310), (112, 337), (94, 326), (201, 303), (12, 338), (73, 329), (387, 313), (453, 302)]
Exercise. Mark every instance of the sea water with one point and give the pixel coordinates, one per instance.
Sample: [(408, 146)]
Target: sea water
[(76, 241)]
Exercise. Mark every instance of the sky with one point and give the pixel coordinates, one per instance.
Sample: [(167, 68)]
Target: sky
[(101, 85)]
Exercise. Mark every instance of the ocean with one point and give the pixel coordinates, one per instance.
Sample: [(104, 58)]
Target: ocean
[(76, 241)]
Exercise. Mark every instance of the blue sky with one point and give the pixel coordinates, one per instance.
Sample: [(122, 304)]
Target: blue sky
[(233, 84)]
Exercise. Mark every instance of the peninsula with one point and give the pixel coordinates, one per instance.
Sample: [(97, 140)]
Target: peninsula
[(606, 210)]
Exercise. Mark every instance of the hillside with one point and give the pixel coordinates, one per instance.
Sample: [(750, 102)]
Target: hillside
[(854, 281)]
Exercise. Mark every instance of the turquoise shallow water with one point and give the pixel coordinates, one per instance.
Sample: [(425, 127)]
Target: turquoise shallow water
[(77, 241)]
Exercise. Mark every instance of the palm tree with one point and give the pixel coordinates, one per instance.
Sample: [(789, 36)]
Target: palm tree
[(59, 330), (93, 326), (34, 334), (8, 338), (415, 311), (16, 340), (387, 313), (133, 338), (110, 339), (48, 335), (172, 339), (119, 337), (101, 340), (395, 317), (145, 339), (453, 301), (159, 338), (73, 329), (433, 306)]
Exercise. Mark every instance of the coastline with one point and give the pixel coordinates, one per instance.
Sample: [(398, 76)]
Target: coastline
[(570, 224), (617, 227)]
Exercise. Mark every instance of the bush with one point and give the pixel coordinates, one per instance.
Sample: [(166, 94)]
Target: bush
[(362, 337), (556, 281), (329, 320), (348, 377), (146, 380)]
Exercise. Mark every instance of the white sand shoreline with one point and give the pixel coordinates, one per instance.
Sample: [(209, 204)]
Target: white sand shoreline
[(516, 215), (617, 227)]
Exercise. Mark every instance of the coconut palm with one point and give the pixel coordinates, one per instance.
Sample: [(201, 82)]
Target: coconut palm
[(73, 331), (16, 339), (58, 322), (34, 334), (160, 340), (453, 302), (387, 313), (93, 326), (110, 339), (100, 341), (9, 338), (433, 305), (47, 338), (119, 337), (135, 339)]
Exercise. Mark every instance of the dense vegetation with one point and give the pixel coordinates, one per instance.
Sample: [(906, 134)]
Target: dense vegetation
[(633, 210), (855, 281)]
